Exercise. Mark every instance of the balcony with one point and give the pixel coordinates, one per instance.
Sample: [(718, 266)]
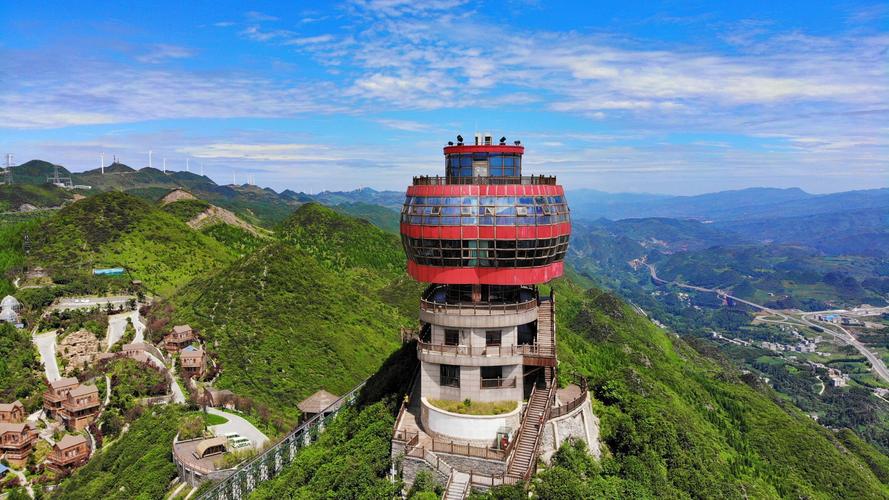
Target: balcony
[(490, 355), (441, 306), (528, 180)]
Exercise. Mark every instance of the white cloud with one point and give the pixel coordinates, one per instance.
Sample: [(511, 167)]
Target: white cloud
[(161, 52)]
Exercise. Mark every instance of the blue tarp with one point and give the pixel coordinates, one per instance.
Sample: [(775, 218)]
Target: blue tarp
[(112, 271), (3, 470)]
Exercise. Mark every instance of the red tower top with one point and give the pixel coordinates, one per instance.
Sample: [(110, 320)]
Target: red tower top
[(484, 222)]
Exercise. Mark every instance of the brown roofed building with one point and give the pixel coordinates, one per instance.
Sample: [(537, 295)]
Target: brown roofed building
[(16, 441), (81, 407), (12, 412), (179, 338), (320, 402), (193, 362), (68, 453), (56, 393)]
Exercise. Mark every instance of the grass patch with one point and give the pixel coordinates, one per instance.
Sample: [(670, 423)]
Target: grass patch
[(213, 419), (467, 407)]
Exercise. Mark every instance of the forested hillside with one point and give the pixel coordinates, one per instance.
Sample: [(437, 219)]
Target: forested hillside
[(321, 308), (117, 229), (678, 424)]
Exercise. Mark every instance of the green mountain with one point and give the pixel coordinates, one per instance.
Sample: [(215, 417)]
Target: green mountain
[(12, 197), (319, 308), (117, 229), (678, 424)]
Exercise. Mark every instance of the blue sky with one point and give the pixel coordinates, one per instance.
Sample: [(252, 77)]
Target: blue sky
[(667, 97)]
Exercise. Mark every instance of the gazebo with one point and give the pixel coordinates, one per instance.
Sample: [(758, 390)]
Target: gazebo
[(320, 402)]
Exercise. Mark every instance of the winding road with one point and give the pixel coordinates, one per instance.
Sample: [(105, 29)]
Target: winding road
[(46, 345), (844, 336), (117, 324)]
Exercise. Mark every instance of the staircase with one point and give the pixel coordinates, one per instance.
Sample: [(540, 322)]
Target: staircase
[(458, 486), (524, 457), (546, 332)]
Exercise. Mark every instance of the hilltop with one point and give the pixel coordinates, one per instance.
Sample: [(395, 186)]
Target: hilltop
[(117, 229)]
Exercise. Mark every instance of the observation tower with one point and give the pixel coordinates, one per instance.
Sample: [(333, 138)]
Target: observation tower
[(484, 236)]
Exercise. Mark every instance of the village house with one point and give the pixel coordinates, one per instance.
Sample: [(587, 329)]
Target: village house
[(68, 453), (179, 338), (81, 406), (79, 349), (193, 362), (56, 393), (17, 441), (12, 412)]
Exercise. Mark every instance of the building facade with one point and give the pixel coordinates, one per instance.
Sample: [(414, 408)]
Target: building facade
[(80, 407), (484, 236), (68, 453)]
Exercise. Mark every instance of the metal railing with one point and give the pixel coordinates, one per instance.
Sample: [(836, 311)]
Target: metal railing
[(498, 383), (490, 350), (436, 180), (468, 450), (269, 463), (573, 404)]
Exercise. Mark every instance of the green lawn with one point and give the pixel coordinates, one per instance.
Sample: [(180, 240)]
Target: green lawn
[(213, 419)]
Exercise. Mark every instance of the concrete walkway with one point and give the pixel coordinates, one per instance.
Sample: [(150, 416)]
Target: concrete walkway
[(238, 424), (46, 345)]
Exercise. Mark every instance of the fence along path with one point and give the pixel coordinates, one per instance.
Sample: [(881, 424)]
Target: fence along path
[(268, 464)]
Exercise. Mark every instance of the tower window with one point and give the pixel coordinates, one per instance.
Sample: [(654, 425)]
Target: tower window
[(449, 375), (452, 337), (493, 337)]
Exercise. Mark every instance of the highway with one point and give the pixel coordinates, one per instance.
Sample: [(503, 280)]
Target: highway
[(844, 336)]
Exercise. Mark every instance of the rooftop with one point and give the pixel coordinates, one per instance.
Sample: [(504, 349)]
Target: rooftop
[(11, 406), (318, 402), (84, 390), (70, 441), (191, 352), (181, 329), (63, 382)]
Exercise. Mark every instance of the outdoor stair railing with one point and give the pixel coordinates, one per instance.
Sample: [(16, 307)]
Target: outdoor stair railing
[(268, 464)]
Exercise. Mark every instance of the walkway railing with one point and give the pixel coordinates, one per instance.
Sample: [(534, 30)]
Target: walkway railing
[(488, 350), (572, 405), (487, 180), (271, 462), (477, 308), (468, 450)]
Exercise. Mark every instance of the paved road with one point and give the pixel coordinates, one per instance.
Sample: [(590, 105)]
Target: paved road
[(178, 396), (46, 344), (237, 424), (90, 302), (843, 335), (117, 324)]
